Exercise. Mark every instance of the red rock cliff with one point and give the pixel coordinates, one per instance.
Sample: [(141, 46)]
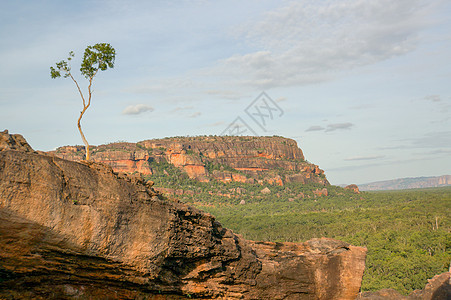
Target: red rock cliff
[(275, 159), (81, 230)]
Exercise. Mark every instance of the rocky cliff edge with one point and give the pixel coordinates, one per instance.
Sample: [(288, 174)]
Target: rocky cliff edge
[(80, 230)]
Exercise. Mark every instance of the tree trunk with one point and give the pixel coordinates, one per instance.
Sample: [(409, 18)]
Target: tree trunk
[(82, 135)]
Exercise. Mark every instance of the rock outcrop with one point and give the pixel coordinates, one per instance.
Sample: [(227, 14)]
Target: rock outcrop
[(353, 187), (122, 157), (82, 230), (437, 288), (321, 192), (13, 142), (274, 160)]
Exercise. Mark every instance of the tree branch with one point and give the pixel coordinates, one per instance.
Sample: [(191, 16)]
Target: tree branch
[(79, 90), (91, 78)]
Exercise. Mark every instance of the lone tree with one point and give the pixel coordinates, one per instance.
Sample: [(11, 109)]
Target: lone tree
[(98, 57)]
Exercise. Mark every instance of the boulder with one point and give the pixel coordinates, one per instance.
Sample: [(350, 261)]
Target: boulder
[(353, 187), (265, 191), (437, 288)]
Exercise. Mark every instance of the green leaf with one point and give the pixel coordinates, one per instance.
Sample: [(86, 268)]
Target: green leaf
[(98, 57), (54, 73)]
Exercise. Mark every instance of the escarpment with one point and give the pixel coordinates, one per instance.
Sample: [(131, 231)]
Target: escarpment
[(274, 160), (83, 230)]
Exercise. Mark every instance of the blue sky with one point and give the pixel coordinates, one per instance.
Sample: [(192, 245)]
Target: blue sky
[(364, 86)]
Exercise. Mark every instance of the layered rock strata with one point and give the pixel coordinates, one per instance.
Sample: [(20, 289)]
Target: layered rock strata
[(274, 160), (82, 230)]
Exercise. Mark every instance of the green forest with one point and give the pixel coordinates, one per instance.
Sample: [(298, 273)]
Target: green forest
[(407, 232)]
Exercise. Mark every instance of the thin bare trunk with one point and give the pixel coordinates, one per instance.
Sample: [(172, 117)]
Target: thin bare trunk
[(85, 107), (81, 133), (78, 87)]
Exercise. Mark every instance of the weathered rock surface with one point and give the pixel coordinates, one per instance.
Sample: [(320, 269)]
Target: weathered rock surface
[(353, 187), (81, 230), (246, 158), (13, 142), (438, 288), (122, 157)]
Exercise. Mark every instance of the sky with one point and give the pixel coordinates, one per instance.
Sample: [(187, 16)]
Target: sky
[(364, 87)]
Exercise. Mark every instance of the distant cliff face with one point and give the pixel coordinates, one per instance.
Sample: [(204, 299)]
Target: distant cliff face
[(122, 157), (84, 231), (407, 183), (274, 160)]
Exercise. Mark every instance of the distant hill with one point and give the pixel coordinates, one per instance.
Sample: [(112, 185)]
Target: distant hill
[(407, 183)]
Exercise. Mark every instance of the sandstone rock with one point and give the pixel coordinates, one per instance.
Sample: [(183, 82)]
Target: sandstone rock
[(381, 295), (293, 266), (122, 157), (266, 190), (240, 190), (299, 178), (322, 192), (82, 230), (353, 187), (275, 180), (437, 288), (13, 142), (247, 158)]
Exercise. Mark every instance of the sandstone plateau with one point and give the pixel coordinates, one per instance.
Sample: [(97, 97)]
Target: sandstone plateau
[(274, 160), (408, 183), (80, 230)]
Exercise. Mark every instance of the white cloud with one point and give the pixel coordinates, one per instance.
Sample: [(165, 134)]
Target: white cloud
[(338, 126), (315, 128), (331, 127), (308, 41), (371, 157), (137, 109)]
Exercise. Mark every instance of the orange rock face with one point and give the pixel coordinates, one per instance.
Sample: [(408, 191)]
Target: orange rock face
[(196, 171), (353, 188), (82, 230), (122, 157), (246, 158), (322, 192)]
